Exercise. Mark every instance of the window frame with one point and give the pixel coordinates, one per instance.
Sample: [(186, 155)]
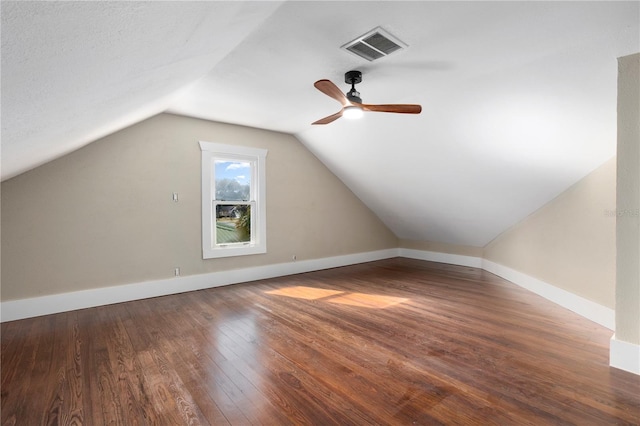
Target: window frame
[(211, 152)]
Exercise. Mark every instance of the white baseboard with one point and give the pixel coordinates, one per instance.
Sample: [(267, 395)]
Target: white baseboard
[(588, 309), (584, 307), (624, 355), (44, 305), (36, 306), (433, 256)]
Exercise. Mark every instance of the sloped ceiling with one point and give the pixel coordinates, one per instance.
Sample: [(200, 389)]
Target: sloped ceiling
[(519, 98)]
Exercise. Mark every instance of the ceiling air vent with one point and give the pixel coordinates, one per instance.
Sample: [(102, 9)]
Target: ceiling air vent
[(375, 44)]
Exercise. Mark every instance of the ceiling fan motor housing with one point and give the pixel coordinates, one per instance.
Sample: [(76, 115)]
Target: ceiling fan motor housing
[(354, 96), (353, 78)]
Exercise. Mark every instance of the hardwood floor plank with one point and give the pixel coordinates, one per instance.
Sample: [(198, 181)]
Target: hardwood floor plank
[(246, 398), (376, 366), (392, 342), (65, 394), (291, 355), (24, 367), (310, 358), (105, 397)]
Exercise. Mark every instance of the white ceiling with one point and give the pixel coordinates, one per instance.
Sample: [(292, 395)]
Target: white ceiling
[(519, 98)]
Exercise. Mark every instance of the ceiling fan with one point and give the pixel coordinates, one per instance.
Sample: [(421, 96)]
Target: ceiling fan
[(352, 106)]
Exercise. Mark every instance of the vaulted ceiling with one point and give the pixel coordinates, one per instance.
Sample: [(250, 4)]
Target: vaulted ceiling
[(519, 98)]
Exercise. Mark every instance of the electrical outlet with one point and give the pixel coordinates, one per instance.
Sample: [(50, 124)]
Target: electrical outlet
[(176, 271), (294, 258)]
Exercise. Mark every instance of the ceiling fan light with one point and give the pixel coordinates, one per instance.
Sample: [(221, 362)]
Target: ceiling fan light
[(352, 112)]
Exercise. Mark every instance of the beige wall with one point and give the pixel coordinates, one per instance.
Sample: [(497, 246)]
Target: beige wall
[(104, 215), (569, 243), (628, 230)]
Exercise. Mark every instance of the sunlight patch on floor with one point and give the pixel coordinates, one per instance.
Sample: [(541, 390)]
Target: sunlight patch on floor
[(307, 293), (362, 300), (367, 300)]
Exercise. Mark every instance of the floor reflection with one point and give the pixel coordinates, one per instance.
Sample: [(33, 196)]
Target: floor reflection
[(235, 368)]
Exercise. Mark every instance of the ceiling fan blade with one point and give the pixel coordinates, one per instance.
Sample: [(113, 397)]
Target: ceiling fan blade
[(399, 108), (330, 118), (330, 89)]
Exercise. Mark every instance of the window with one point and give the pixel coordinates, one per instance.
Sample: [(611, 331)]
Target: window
[(233, 200)]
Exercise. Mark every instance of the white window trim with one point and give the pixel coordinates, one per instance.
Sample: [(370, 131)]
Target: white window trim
[(258, 244)]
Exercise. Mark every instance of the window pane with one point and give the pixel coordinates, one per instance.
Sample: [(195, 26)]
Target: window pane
[(233, 223), (233, 180)]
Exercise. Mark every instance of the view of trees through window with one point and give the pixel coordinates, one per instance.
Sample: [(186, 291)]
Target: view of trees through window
[(232, 201)]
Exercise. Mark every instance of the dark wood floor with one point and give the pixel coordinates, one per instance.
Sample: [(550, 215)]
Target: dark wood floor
[(397, 342)]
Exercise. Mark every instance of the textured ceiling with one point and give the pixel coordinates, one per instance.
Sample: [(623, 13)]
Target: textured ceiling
[(74, 71), (519, 98)]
